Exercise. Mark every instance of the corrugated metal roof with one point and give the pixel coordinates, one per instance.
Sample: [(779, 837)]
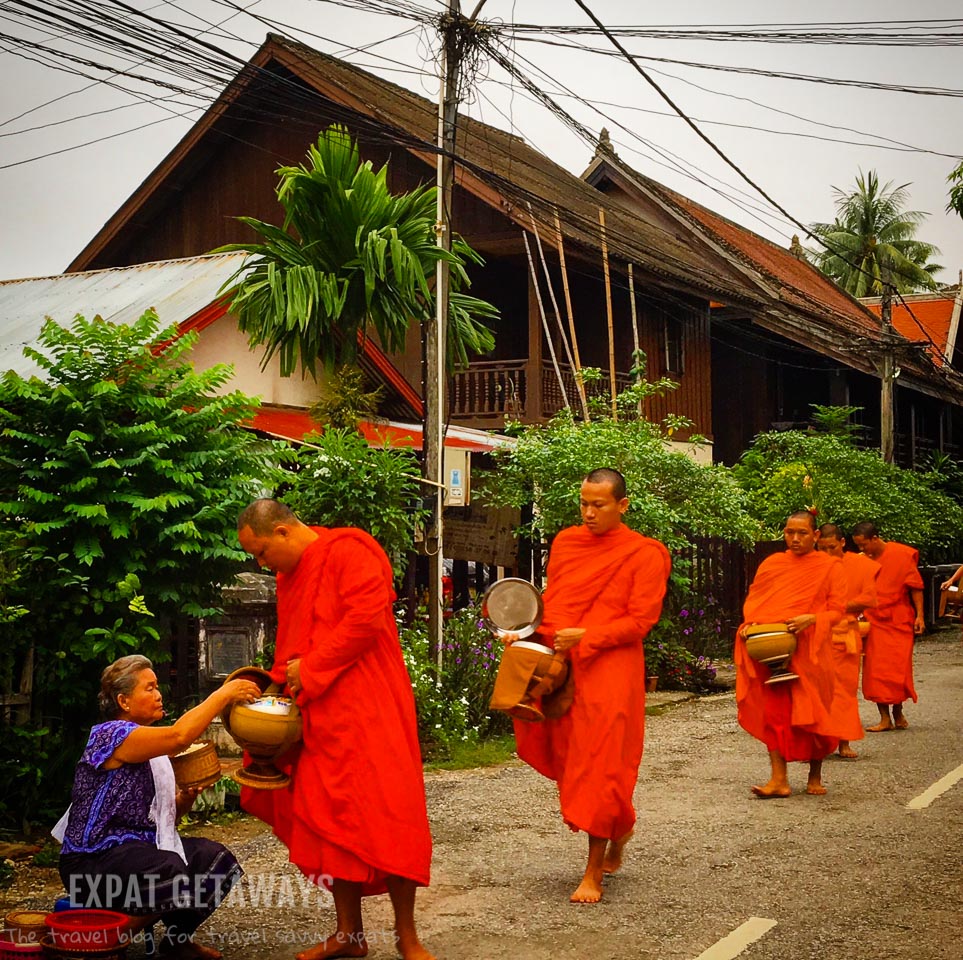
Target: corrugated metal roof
[(176, 289)]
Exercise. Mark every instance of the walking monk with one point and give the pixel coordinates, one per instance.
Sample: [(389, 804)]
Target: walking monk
[(895, 623), (805, 590), (860, 573), (610, 581), (353, 817)]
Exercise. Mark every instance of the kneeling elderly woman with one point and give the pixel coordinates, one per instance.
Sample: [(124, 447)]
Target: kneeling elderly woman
[(121, 850)]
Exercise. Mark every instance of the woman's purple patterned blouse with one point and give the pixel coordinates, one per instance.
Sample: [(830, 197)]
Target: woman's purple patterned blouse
[(109, 807)]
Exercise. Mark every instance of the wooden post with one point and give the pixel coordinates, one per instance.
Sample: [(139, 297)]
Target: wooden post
[(887, 439), (548, 332), (608, 311), (635, 332), (533, 377), (579, 383), (558, 317)]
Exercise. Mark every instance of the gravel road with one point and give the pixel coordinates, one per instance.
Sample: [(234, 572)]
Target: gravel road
[(854, 875)]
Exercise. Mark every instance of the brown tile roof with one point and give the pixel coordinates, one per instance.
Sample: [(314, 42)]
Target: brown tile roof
[(520, 174)]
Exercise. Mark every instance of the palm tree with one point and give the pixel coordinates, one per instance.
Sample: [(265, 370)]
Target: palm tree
[(872, 240), (350, 256), (955, 180)]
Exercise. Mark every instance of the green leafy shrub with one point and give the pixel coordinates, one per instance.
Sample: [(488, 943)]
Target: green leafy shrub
[(784, 472), (340, 481), (122, 471), (677, 667), (671, 496), (453, 705)]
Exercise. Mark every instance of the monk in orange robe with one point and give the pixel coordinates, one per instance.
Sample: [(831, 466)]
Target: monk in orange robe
[(354, 815), (860, 573), (609, 581), (805, 590), (896, 622)]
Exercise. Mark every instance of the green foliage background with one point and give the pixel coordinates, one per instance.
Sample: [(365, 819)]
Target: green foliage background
[(783, 472), (342, 482), (122, 472), (671, 496)]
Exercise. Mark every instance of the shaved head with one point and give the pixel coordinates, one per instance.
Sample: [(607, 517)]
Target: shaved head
[(262, 516), (803, 514), (612, 477)]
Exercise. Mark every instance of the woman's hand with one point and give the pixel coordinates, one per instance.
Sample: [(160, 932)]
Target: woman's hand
[(241, 691), (184, 800)]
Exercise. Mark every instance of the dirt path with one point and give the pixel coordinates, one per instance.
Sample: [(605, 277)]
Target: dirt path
[(855, 875)]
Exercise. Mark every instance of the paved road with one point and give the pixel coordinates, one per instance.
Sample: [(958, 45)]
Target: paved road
[(854, 875)]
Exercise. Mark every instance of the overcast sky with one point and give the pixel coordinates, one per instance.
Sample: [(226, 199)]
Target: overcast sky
[(55, 194)]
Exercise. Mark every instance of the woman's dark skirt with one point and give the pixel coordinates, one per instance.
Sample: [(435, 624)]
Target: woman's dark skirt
[(138, 879)]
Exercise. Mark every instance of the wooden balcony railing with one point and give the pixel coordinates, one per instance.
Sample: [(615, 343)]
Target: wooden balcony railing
[(492, 391), (489, 392)]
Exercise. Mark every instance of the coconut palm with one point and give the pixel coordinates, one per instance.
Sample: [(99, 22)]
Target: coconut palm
[(349, 257), (955, 180), (873, 239)]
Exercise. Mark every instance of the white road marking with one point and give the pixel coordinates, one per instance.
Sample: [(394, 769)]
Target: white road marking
[(938, 788), (745, 934)]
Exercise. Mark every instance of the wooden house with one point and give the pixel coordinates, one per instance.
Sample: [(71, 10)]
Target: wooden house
[(810, 343), (613, 256)]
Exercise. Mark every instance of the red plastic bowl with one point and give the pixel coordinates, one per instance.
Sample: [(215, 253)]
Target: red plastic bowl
[(88, 930), (13, 949)]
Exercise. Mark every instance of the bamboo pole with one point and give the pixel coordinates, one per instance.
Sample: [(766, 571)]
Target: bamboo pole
[(635, 332), (551, 293), (608, 311), (545, 327), (579, 382)]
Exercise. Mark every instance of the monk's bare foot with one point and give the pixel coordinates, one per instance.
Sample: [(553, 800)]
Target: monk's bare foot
[(815, 789), (337, 945), (588, 891), (848, 753), (415, 953), (880, 727), (613, 855), (772, 791), (900, 722)]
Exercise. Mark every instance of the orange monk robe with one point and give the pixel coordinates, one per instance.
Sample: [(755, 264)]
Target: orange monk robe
[(792, 717), (355, 808), (860, 574), (888, 665), (612, 584)]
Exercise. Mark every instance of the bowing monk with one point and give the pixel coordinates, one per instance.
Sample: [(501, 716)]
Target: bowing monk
[(860, 574), (609, 581), (895, 623), (353, 816), (805, 590)]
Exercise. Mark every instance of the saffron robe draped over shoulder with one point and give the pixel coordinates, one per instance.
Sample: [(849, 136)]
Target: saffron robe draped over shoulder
[(860, 574), (792, 717), (355, 807), (888, 665), (612, 584)]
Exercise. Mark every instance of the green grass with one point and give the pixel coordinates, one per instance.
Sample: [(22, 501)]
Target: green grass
[(485, 753)]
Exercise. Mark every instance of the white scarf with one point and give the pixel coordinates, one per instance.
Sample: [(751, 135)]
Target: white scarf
[(163, 810)]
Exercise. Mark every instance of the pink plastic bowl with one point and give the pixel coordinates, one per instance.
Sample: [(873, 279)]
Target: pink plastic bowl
[(88, 930)]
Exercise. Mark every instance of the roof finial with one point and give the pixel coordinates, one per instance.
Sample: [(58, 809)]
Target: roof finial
[(604, 146)]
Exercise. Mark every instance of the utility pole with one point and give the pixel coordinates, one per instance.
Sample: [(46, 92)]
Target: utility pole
[(887, 428), (452, 28)]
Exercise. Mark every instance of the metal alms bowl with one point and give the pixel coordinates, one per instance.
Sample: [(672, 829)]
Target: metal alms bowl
[(512, 606)]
